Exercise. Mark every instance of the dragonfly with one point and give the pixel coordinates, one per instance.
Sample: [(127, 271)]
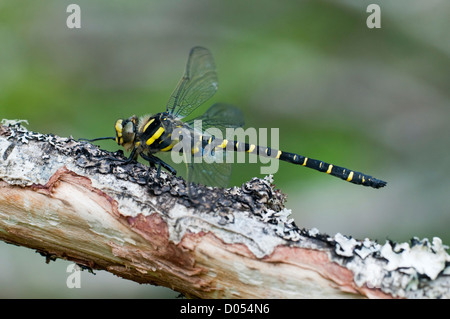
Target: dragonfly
[(164, 132)]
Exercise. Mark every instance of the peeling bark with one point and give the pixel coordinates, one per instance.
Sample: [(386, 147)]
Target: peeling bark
[(67, 200)]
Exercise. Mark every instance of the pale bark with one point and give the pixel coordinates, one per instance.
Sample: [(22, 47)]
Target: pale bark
[(66, 200)]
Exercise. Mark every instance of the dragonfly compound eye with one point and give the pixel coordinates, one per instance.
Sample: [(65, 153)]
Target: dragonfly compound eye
[(128, 132)]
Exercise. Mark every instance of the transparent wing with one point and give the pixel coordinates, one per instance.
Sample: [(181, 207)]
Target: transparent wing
[(198, 84), (207, 166), (214, 173), (214, 169), (219, 116)]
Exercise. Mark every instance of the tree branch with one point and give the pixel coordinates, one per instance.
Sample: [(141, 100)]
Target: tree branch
[(67, 200)]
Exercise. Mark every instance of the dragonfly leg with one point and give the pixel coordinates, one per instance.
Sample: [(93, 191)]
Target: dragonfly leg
[(159, 171), (122, 161), (155, 160), (97, 139)]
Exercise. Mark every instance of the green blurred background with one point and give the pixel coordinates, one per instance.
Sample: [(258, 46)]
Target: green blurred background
[(374, 100)]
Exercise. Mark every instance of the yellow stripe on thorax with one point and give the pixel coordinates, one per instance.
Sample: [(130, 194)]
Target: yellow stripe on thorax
[(155, 136), (168, 148), (252, 148), (278, 154), (148, 124)]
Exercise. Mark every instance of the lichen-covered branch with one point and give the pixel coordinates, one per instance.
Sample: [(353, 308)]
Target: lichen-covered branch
[(67, 199)]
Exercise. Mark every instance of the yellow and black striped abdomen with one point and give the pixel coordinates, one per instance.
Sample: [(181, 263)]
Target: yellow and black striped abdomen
[(341, 172)]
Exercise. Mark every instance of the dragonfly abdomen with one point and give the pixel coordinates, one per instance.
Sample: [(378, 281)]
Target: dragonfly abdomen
[(321, 166), (334, 170)]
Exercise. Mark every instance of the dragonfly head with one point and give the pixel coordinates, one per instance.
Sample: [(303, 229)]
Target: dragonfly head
[(126, 132)]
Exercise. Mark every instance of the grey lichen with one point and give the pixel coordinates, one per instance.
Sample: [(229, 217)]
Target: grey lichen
[(253, 214), (400, 269)]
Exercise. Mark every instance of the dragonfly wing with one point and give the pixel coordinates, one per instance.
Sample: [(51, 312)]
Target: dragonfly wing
[(219, 116), (214, 169), (210, 173), (208, 169), (198, 84)]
